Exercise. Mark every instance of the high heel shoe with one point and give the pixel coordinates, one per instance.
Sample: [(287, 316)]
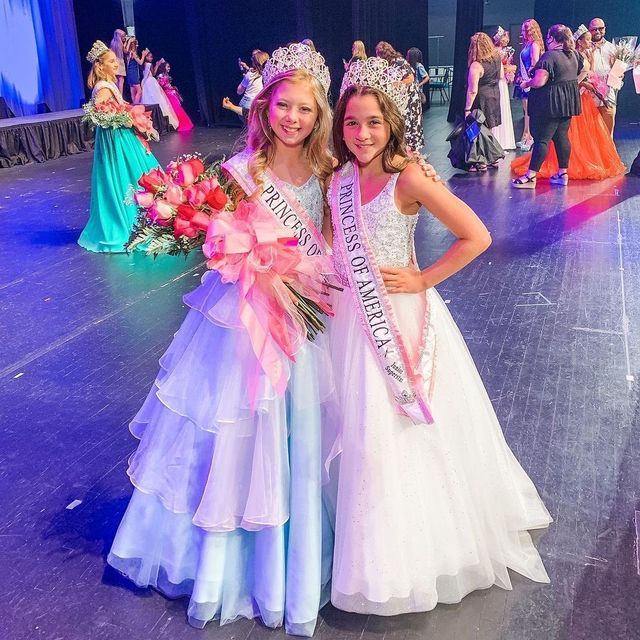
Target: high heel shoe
[(560, 178)]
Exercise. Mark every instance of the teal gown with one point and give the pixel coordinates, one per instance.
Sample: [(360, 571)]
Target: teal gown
[(119, 159)]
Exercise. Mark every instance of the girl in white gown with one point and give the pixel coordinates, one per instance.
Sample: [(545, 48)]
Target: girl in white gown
[(153, 93), (431, 502), (503, 133)]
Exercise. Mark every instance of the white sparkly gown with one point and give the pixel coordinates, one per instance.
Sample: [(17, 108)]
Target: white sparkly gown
[(424, 514), (153, 93)]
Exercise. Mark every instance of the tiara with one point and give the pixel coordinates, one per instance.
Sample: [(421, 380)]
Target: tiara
[(377, 74), (579, 32), (296, 56), (97, 51), (499, 32)]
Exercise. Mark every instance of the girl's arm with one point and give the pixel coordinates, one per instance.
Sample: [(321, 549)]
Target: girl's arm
[(475, 73), (414, 190)]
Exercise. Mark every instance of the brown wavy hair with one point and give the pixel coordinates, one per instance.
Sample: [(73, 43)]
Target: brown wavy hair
[(562, 34), (261, 140), (534, 34), (395, 147), (387, 52), (481, 48)]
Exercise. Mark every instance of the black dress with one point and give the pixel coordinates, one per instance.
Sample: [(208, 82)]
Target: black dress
[(488, 97), (560, 97)]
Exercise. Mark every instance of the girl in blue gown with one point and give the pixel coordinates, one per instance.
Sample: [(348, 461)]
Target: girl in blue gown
[(119, 159), (227, 508)]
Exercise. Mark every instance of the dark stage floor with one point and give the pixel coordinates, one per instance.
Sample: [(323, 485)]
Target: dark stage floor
[(551, 314)]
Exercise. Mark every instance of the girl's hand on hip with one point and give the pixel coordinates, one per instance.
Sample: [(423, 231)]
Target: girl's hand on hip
[(403, 279)]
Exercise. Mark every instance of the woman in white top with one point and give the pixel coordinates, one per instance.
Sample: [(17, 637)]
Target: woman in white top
[(251, 84), (153, 93)]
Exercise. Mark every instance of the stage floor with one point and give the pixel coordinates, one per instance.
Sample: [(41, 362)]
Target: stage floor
[(551, 315)]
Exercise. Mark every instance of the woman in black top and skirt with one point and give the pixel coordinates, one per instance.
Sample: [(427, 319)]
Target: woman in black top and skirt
[(553, 100), (483, 90)]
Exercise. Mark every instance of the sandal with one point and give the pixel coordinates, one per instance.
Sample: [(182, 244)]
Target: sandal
[(561, 178), (480, 167), (524, 182), (494, 165)]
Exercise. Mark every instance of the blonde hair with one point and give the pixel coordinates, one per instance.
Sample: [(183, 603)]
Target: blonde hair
[(261, 139), (395, 147), (97, 72), (116, 44), (258, 60), (533, 32), (358, 49), (481, 48)]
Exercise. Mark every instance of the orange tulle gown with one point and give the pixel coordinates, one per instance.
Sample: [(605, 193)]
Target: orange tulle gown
[(593, 153)]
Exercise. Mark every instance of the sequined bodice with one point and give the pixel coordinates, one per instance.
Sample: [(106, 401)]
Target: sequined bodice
[(309, 195), (390, 232)]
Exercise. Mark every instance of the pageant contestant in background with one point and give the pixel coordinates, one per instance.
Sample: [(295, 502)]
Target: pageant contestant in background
[(227, 507), (133, 62), (431, 502), (504, 131), (414, 134), (117, 44), (593, 153), (166, 82), (358, 52), (553, 101), (152, 92), (251, 84), (119, 159), (532, 49)]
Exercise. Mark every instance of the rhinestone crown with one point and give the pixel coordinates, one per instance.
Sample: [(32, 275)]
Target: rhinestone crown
[(377, 74), (99, 49), (296, 56), (579, 32)]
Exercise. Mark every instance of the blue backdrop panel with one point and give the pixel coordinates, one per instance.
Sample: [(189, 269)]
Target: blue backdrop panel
[(39, 58)]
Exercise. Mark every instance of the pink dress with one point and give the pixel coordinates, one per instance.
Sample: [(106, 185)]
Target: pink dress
[(172, 94)]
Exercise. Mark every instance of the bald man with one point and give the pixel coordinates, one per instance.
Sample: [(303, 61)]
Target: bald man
[(603, 57)]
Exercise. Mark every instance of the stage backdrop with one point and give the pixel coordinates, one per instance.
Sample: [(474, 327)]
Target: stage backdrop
[(39, 58)]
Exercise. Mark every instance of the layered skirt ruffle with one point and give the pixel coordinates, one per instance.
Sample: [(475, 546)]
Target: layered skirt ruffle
[(227, 508)]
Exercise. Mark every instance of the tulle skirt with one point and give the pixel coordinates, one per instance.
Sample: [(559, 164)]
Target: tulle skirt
[(153, 93), (184, 121), (593, 153), (227, 508), (119, 159), (503, 133), (425, 514)]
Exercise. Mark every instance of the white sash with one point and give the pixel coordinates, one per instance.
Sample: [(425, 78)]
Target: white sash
[(373, 303), (277, 199)]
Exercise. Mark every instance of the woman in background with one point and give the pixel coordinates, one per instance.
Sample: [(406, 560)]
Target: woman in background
[(533, 48), (358, 52), (553, 101), (414, 58), (117, 44), (133, 62), (504, 132)]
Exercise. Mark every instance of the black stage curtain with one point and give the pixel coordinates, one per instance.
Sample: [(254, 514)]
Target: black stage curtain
[(469, 20), (44, 140), (217, 38)]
